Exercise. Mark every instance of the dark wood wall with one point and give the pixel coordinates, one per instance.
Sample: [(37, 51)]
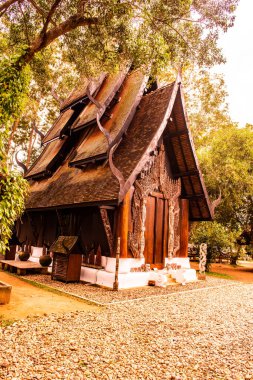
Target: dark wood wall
[(156, 233), (43, 227)]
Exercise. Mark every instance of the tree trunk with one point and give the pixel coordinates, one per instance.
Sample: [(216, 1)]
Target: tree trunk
[(29, 148), (45, 39), (13, 130)]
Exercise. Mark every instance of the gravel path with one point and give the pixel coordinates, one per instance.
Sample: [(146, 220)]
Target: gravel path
[(105, 296), (200, 335)]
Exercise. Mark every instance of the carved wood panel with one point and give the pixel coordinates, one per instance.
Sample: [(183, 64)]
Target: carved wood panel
[(107, 227), (154, 177)]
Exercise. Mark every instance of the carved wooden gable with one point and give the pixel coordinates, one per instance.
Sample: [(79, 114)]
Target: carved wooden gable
[(154, 177)]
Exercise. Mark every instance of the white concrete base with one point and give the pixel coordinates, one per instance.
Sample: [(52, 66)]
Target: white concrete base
[(126, 281), (184, 276), (88, 275), (129, 280), (183, 261)]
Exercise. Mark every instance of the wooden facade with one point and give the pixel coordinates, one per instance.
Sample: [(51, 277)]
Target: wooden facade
[(119, 162)]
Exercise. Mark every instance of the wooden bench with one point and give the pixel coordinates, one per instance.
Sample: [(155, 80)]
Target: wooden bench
[(21, 267)]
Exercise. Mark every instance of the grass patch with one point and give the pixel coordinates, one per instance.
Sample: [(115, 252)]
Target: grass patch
[(221, 275), (6, 322)]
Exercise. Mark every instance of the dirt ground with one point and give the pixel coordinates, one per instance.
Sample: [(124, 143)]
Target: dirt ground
[(28, 300), (243, 272)]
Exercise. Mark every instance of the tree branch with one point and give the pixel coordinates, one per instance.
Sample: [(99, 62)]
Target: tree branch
[(7, 4), (38, 9), (25, 24), (66, 26), (49, 17), (56, 96)]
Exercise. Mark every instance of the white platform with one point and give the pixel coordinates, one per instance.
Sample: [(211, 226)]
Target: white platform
[(184, 262), (126, 281), (126, 278), (88, 275), (184, 276)]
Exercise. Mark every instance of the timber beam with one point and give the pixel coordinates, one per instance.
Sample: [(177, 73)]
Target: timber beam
[(194, 197), (178, 133), (123, 226), (187, 173), (184, 228)]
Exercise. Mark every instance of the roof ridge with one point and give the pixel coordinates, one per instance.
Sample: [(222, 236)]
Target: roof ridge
[(160, 88)]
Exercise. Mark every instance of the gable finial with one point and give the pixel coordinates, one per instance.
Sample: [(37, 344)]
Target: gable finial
[(41, 134), (112, 146), (20, 163)]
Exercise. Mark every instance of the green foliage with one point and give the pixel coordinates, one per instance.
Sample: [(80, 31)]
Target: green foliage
[(161, 32), (13, 188), (227, 164), (215, 235), (225, 151), (206, 99), (6, 322), (14, 85), (220, 275)]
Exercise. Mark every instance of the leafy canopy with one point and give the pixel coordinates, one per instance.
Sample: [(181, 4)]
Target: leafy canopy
[(227, 164), (99, 34), (93, 36)]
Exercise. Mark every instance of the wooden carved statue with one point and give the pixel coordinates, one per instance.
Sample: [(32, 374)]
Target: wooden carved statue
[(202, 260), (148, 182), (171, 190), (134, 237), (107, 227), (142, 242), (175, 191)]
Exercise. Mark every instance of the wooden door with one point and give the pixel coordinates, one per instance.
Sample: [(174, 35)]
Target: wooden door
[(156, 233)]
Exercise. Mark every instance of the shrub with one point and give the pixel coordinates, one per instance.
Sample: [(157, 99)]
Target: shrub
[(215, 235)]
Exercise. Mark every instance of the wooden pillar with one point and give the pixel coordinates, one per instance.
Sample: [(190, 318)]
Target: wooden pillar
[(184, 228), (123, 227)]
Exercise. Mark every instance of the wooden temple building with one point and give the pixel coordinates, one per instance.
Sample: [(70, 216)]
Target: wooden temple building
[(119, 162)]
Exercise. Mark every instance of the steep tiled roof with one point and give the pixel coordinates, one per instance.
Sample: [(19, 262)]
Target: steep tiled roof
[(159, 113), (95, 144), (108, 90)]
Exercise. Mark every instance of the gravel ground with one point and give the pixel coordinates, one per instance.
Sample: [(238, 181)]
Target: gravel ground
[(200, 335), (105, 296)]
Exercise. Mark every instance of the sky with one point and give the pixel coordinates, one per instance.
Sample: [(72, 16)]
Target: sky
[(237, 46)]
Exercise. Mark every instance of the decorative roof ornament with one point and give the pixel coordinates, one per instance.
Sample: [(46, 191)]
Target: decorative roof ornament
[(41, 134), (112, 146), (20, 163)]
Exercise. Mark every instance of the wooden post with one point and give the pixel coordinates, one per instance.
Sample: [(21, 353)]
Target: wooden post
[(123, 228), (116, 280), (184, 228)]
